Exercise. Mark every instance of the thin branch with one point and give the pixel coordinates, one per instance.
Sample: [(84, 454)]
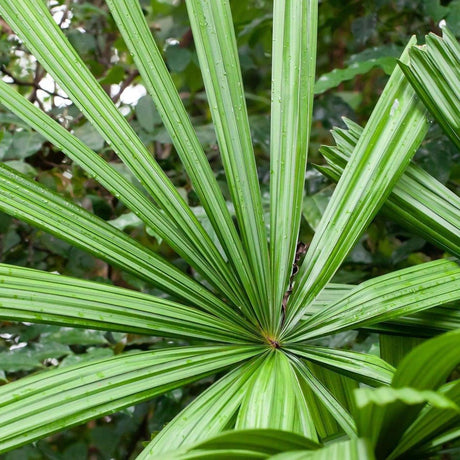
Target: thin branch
[(131, 76), (34, 84)]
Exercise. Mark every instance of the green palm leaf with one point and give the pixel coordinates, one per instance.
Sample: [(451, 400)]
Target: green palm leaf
[(418, 201), (245, 444), (148, 59), (293, 75), (392, 135), (327, 398), (48, 402), (416, 380), (425, 323), (356, 449), (365, 368), (274, 399), (402, 292), (433, 71), (36, 296), (113, 181), (36, 27), (210, 413), (29, 201), (432, 421), (215, 43)]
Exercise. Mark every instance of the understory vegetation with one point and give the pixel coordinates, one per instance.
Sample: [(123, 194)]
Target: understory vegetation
[(229, 229)]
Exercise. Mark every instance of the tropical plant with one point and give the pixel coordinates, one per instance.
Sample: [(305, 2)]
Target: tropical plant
[(246, 310), (412, 418)]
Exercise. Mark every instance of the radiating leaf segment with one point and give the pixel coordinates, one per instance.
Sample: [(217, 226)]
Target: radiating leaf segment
[(256, 329)]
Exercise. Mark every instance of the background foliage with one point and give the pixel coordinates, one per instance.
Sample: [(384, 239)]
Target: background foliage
[(361, 38)]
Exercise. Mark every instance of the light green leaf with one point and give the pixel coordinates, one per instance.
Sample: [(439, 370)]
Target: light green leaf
[(425, 368), (274, 399), (22, 167), (434, 73), (39, 405), (215, 42), (31, 202), (266, 441), (247, 444), (401, 292), (177, 58), (34, 24), (313, 207), (293, 75), (392, 135), (147, 114), (133, 26), (418, 201), (23, 145), (432, 422), (210, 413), (374, 406), (337, 76), (31, 357), (355, 449), (112, 181), (89, 136), (35, 296)]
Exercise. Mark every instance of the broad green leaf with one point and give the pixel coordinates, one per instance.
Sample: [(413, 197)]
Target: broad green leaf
[(31, 202), (34, 24), (31, 357), (132, 24), (35, 296), (433, 71), (328, 400), (45, 403), (355, 449), (432, 422), (369, 369), (425, 323), (274, 399), (23, 145), (337, 76), (392, 135), (293, 75), (372, 408), (87, 134), (425, 368), (214, 454), (146, 112), (266, 441), (401, 292), (393, 348), (215, 42), (256, 443), (210, 413), (418, 201), (313, 207), (112, 180), (429, 365)]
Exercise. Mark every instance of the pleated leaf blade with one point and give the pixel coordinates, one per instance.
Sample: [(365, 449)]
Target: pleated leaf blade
[(42, 404), (393, 133)]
